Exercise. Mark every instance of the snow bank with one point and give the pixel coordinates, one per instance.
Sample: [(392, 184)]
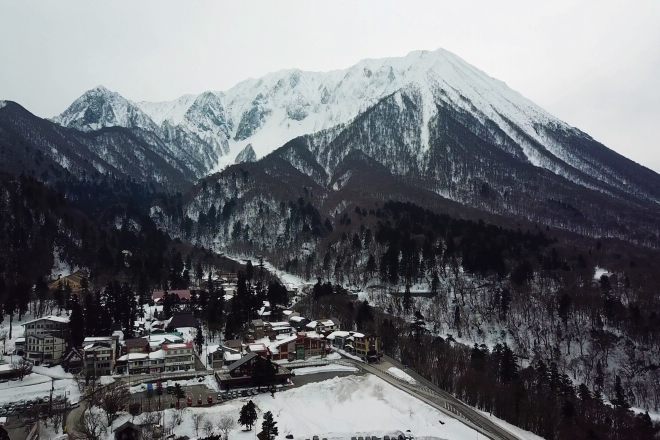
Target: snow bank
[(324, 369), (520, 433), (400, 374)]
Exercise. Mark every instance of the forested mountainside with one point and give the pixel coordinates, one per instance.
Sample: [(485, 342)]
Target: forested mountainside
[(101, 229), (52, 153)]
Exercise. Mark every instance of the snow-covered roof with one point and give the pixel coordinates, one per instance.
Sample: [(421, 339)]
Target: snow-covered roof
[(60, 319), (158, 354), (313, 335), (279, 324), (282, 327), (338, 333), (231, 357), (257, 347), (97, 339), (297, 318), (177, 346), (163, 338), (311, 324), (328, 323), (279, 342), (133, 356)]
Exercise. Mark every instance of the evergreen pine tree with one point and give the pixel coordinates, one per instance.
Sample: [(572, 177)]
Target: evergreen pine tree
[(76, 323), (248, 415), (619, 400), (269, 426)]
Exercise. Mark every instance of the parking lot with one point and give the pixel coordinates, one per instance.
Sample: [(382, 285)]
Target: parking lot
[(33, 407)]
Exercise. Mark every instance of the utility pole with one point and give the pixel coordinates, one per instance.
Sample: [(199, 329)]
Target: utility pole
[(50, 403)]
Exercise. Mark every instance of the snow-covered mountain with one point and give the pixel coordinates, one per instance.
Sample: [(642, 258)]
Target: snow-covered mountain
[(100, 108), (197, 140), (428, 117), (212, 128), (269, 111)]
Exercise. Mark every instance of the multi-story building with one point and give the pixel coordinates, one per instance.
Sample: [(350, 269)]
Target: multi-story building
[(44, 349), (134, 363), (366, 346), (46, 339), (172, 357), (310, 344), (283, 349), (99, 355), (179, 356)]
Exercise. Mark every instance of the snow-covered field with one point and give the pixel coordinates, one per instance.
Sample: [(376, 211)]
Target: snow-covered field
[(400, 374), (332, 368), (337, 408), (38, 385)]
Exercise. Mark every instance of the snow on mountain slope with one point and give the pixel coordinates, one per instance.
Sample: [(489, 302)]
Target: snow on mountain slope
[(269, 111), (99, 108), (215, 127)]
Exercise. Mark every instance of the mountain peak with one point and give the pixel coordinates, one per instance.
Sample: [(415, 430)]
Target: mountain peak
[(100, 107)]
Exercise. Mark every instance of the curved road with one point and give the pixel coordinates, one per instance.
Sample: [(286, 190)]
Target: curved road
[(437, 398)]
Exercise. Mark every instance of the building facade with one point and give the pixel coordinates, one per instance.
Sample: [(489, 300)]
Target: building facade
[(46, 339), (99, 356)]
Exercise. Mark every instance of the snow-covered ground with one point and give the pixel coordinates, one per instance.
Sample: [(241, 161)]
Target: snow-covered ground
[(337, 408), (400, 374), (288, 279), (332, 368), (38, 385), (521, 433)]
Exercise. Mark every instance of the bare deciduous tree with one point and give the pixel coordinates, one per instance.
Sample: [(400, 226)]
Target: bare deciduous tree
[(112, 399), (91, 426), (208, 427), (177, 418), (197, 420), (226, 424), (21, 366)]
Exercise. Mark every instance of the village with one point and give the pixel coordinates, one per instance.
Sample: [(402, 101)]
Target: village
[(171, 364)]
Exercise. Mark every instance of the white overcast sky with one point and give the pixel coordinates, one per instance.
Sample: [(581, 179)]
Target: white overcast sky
[(594, 64)]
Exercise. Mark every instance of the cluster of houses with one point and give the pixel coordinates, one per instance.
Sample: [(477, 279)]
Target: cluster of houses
[(162, 346), (281, 342)]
